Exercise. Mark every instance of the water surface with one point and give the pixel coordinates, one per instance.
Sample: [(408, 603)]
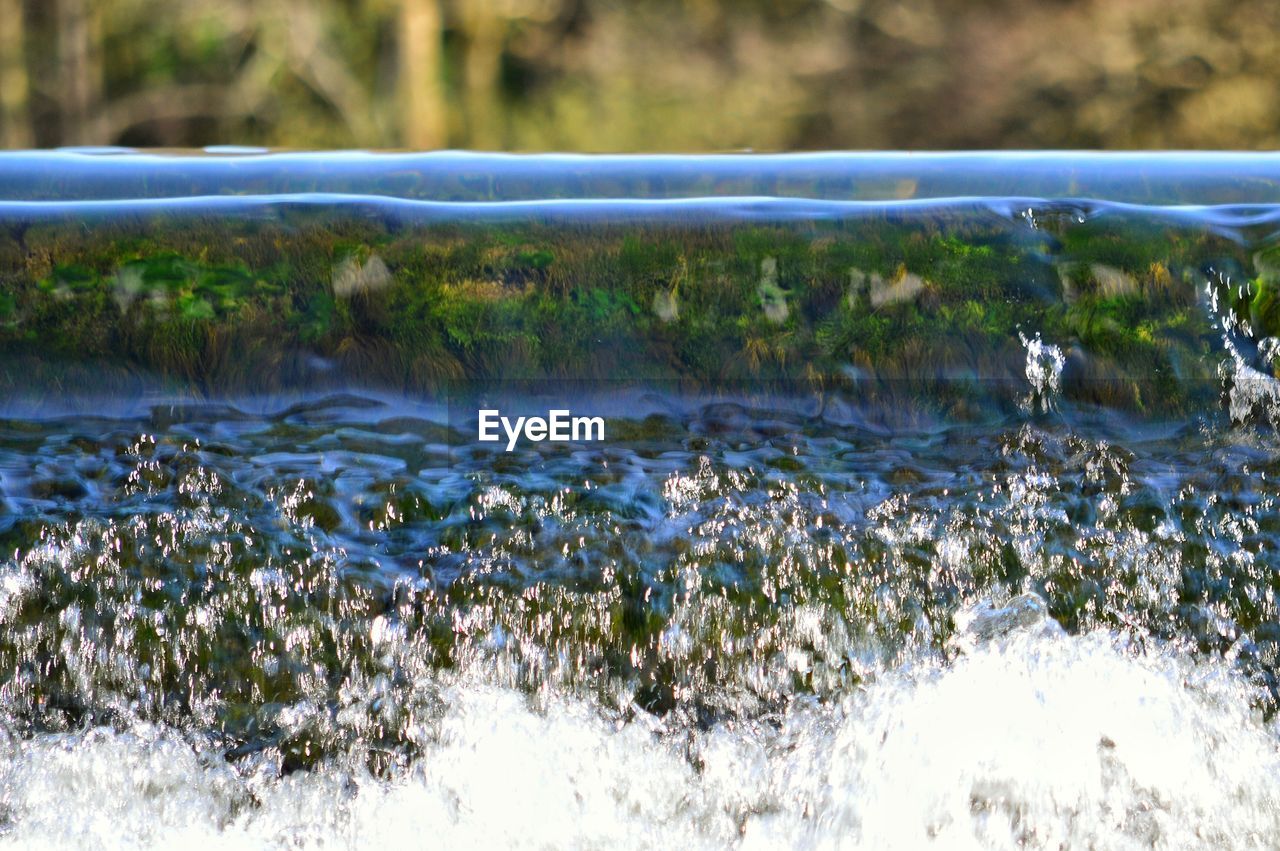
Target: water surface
[(936, 506)]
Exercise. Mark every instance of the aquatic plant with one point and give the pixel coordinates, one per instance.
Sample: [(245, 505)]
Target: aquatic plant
[(410, 307)]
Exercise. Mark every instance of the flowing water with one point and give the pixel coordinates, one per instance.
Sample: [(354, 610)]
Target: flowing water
[(936, 504)]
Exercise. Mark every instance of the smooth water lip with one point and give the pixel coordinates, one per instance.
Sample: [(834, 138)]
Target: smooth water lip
[(1223, 220), (1167, 177), (235, 150)]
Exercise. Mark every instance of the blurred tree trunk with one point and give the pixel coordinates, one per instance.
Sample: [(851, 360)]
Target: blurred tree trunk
[(15, 92), (485, 23), (422, 98), (80, 72)]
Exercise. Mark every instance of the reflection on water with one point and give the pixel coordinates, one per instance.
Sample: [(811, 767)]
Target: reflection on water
[(973, 545)]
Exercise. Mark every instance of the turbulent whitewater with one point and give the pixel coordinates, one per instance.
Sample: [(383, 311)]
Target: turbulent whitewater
[(936, 504)]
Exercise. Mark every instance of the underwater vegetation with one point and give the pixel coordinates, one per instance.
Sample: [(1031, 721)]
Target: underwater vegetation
[(317, 298)]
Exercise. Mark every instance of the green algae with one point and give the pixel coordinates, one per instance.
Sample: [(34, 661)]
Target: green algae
[(861, 305)]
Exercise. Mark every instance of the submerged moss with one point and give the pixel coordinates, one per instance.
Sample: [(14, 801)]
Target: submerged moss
[(233, 304)]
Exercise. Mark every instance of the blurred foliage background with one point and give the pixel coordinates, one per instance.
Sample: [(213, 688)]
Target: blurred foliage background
[(658, 75)]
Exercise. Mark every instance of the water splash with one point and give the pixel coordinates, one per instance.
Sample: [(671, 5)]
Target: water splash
[(1036, 741), (1045, 362), (885, 606)]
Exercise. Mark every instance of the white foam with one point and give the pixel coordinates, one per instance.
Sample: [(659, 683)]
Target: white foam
[(1029, 738), (1042, 742), (1044, 372)]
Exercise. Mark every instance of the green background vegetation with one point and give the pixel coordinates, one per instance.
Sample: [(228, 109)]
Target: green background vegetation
[(666, 75)]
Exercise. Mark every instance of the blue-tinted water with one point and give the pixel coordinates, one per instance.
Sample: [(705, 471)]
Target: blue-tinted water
[(935, 505)]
